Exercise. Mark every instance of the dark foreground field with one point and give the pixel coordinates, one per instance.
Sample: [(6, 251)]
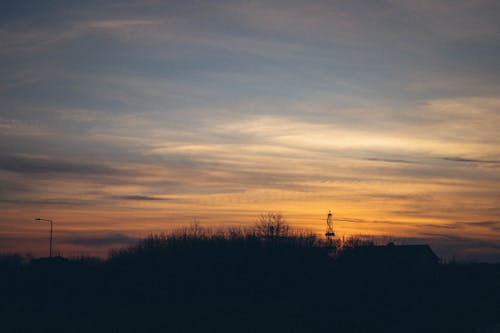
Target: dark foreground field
[(239, 282)]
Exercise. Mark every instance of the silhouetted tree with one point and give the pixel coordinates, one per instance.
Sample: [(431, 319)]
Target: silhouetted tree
[(272, 226)]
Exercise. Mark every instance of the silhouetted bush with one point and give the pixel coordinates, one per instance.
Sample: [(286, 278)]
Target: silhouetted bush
[(273, 233)]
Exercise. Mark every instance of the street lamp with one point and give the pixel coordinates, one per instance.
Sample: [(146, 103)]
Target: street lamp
[(50, 221)]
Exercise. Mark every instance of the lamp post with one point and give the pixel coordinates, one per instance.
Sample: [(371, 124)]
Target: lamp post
[(50, 221)]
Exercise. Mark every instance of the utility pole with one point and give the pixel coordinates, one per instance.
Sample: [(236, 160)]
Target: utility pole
[(50, 221)]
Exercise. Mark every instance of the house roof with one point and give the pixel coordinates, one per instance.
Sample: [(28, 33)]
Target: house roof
[(400, 253)]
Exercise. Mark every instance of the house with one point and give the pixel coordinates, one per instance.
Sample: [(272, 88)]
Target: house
[(418, 261)]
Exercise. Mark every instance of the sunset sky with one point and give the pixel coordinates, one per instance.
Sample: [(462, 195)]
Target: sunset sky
[(123, 118)]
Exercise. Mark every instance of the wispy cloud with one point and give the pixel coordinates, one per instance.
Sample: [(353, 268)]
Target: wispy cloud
[(470, 160), (388, 160), (139, 198), (106, 240), (40, 165)]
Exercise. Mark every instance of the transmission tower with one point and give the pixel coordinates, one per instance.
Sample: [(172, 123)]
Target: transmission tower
[(329, 227)]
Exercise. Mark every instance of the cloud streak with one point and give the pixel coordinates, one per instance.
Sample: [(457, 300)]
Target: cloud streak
[(36, 165), (469, 160), (111, 239), (139, 198)]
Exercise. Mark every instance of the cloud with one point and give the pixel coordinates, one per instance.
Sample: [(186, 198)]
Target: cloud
[(39, 165), (107, 239), (399, 196), (491, 225), (119, 24), (139, 198), (58, 202), (388, 160), (470, 160)]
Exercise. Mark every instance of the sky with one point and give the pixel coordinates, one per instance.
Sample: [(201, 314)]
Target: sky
[(123, 118)]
